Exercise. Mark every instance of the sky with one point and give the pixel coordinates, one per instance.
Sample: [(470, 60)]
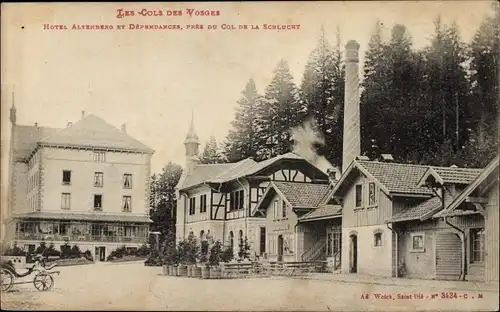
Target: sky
[(152, 80)]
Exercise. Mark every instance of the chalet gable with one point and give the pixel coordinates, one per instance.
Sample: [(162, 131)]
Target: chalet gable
[(301, 197), (472, 198), (393, 179), (439, 176), (286, 167)]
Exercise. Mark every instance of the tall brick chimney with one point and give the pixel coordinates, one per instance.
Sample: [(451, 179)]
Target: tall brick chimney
[(351, 144)]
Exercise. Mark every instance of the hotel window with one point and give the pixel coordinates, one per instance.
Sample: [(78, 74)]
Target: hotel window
[(100, 156), (127, 203), (417, 242), (276, 212), (477, 245), (359, 196), (192, 204), (97, 202), (127, 181), (66, 179), (378, 239), (203, 203), (65, 201), (283, 205), (98, 179), (372, 197)]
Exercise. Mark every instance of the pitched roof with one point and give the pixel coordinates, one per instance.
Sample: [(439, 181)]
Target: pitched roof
[(85, 217), (302, 195), (221, 173), (26, 138), (454, 213), (397, 178), (94, 132), (417, 211), (487, 171), (203, 173), (322, 212), (453, 175)]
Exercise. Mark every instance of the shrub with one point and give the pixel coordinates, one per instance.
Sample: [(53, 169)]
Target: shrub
[(215, 254), (51, 251), (75, 252), (204, 252), (227, 253), (143, 251), (15, 251), (154, 259), (41, 249), (244, 249), (188, 250), (88, 255), (65, 251), (169, 253)]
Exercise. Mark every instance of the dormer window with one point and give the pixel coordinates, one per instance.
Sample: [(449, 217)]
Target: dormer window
[(100, 156)]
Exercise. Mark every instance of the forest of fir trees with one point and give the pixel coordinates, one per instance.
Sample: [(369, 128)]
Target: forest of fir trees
[(434, 105)]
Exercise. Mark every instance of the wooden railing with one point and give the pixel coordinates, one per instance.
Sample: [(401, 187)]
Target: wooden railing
[(82, 237), (315, 251)]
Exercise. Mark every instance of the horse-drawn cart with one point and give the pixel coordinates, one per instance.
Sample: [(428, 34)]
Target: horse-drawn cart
[(42, 280)]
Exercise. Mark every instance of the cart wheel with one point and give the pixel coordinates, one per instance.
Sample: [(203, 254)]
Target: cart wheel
[(6, 280), (43, 282)]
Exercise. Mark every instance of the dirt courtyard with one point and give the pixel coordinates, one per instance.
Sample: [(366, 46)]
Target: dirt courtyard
[(132, 286)]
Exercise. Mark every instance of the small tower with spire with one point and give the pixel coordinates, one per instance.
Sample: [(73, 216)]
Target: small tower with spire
[(13, 111), (192, 144)]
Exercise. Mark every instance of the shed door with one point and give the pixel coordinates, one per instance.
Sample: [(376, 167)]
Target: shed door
[(448, 256)]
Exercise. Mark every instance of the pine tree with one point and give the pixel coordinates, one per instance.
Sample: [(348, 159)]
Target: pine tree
[(163, 200), (279, 112), (485, 56), (242, 141), (322, 92), (375, 92), (448, 86), (211, 154)]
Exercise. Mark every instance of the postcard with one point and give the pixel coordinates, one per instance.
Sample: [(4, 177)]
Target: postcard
[(250, 156)]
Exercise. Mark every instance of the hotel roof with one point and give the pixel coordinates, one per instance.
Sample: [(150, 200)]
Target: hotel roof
[(89, 132)]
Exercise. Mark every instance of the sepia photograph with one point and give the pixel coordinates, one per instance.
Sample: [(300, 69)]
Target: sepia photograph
[(250, 156)]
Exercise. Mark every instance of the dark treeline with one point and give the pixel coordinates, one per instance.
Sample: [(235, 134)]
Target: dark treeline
[(436, 105)]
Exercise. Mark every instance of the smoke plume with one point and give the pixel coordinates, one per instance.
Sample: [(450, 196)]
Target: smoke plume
[(305, 140)]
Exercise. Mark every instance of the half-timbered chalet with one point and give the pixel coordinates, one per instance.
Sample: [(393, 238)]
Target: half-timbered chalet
[(218, 201)]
